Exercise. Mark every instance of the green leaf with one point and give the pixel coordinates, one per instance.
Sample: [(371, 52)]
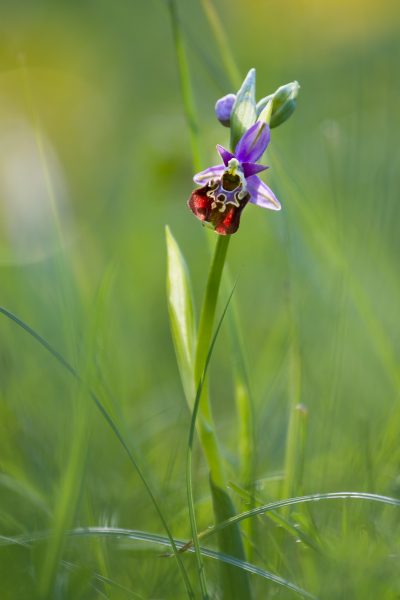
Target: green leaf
[(180, 306), (244, 110)]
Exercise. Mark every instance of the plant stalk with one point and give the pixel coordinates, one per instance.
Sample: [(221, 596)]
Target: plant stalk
[(234, 584)]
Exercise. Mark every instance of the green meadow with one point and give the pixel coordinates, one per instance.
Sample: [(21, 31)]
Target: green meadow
[(106, 113)]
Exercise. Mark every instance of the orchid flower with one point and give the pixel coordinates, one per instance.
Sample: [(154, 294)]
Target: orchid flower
[(228, 187)]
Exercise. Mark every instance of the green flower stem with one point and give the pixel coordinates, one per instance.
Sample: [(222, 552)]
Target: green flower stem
[(210, 303), (206, 424), (234, 584)]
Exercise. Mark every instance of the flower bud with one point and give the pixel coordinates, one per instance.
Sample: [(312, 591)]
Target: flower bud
[(244, 114), (223, 109), (283, 103)]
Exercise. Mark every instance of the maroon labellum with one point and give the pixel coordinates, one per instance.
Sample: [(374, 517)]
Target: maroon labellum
[(209, 205)]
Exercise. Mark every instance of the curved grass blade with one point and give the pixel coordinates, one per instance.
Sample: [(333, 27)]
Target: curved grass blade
[(250, 568), (276, 518), (64, 363), (272, 506), (153, 538), (19, 540), (189, 483)]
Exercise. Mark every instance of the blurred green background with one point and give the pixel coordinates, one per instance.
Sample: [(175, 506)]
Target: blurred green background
[(94, 161)]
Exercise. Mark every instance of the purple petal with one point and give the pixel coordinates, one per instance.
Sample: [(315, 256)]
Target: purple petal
[(250, 168), (225, 154), (253, 143), (261, 194), (223, 109), (211, 173)]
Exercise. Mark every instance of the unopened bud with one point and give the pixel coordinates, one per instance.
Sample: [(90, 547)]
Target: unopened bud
[(223, 109), (283, 103)]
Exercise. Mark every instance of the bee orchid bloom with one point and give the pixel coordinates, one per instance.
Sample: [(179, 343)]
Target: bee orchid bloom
[(227, 188)]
